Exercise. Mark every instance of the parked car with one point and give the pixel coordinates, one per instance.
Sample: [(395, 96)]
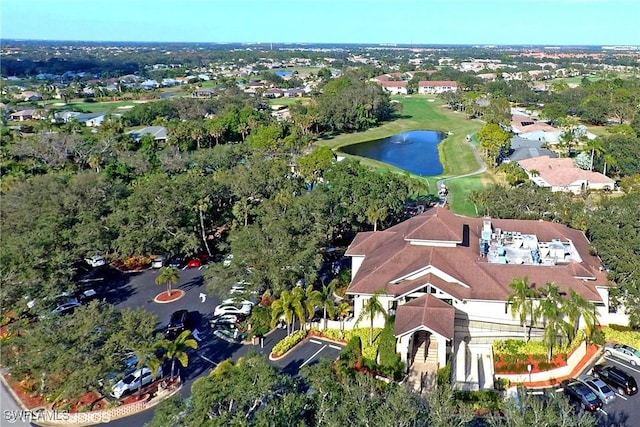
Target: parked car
[(176, 261), (624, 352), (197, 261), (238, 288), (616, 378), (601, 389), (139, 377), (242, 309), (158, 261), (129, 365), (224, 319), (579, 393), (66, 307), (178, 323), (96, 261)]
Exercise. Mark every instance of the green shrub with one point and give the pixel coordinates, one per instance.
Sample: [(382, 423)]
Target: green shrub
[(622, 334), (288, 342), (443, 375), (352, 352), (387, 347), (501, 383)]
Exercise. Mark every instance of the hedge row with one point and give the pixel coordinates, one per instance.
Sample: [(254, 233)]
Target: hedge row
[(288, 342)]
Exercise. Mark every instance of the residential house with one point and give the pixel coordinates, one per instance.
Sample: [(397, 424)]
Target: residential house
[(436, 87), (521, 124), (30, 96), (64, 116), (149, 84), (158, 132), (525, 149), (23, 115), (446, 279), (292, 93), (563, 175), (395, 88), (91, 119), (273, 93)]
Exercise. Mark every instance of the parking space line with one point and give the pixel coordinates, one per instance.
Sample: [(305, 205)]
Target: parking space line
[(621, 396), (603, 411), (208, 360), (624, 365), (336, 347), (314, 355), (315, 341)]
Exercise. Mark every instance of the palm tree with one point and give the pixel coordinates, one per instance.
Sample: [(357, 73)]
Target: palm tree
[(608, 160), (576, 307), (372, 307), (312, 299), (147, 358), (376, 213), (289, 306), (177, 350), (168, 276), (476, 198), (549, 309), (326, 299), (521, 301), (342, 311), (595, 147), (243, 129)]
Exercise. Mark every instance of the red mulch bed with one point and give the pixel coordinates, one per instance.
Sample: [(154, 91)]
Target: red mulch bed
[(176, 294), (30, 400), (556, 362)]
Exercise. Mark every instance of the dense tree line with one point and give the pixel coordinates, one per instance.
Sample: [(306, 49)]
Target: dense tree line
[(253, 393)]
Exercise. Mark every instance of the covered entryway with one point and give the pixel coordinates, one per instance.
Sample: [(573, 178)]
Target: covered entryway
[(424, 329)]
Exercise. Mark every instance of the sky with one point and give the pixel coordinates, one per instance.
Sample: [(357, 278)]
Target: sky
[(484, 22)]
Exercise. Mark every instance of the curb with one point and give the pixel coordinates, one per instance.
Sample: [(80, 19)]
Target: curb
[(178, 291), (13, 394)]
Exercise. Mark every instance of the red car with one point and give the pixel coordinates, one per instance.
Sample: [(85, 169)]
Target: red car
[(197, 261)]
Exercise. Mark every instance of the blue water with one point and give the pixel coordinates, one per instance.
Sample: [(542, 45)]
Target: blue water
[(414, 151), (283, 73)]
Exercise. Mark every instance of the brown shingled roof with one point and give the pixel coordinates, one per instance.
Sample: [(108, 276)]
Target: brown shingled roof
[(389, 257), (426, 311), (562, 171)]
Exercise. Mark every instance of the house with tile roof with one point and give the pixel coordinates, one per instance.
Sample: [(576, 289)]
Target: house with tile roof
[(436, 87), (561, 174), (395, 87), (446, 279)]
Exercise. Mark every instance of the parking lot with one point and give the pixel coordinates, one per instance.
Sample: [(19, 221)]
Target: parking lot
[(625, 410)]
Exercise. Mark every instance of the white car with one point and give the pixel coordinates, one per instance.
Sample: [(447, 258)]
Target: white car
[(159, 261), (239, 288), (231, 308), (132, 381), (96, 261), (624, 352)]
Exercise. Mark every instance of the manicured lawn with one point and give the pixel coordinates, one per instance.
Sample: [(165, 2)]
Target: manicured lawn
[(427, 113)]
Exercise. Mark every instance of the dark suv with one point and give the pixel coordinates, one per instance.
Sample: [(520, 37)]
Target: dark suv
[(178, 323), (616, 378), (581, 394)]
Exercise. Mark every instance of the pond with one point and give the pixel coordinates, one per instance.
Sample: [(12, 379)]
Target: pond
[(414, 151)]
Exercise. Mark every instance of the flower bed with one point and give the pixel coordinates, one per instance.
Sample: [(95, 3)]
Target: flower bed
[(514, 356)]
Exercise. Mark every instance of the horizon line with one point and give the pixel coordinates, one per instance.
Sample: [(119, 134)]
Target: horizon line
[(383, 44)]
